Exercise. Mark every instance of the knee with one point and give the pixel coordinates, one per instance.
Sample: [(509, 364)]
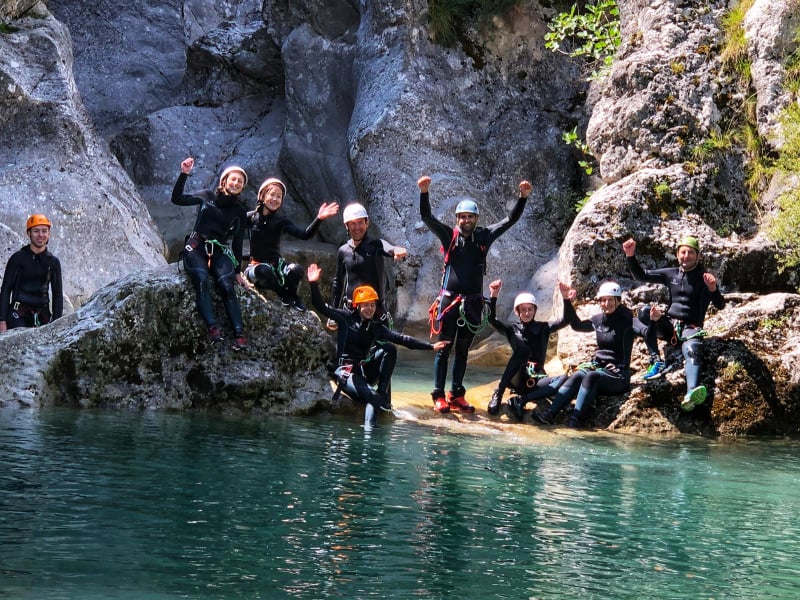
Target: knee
[(693, 351)]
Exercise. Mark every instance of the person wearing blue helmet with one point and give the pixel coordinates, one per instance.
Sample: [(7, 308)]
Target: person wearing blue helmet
[(458, 312)]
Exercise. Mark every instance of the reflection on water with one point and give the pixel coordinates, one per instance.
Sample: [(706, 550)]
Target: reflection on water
[(116, 505)]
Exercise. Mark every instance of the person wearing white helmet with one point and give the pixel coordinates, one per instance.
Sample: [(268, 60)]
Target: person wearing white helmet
[(267, 269), (31, 274), (525, 373), (608, 373), (361, 261), (213, 251), (458, 312), (691, 290)]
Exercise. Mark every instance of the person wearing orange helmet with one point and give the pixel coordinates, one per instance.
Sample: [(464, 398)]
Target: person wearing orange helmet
[(267, 269), (208, 256), (364, 356), (31, 294)]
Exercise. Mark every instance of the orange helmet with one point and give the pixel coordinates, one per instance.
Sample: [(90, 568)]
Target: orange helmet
[(36, 220), (364, 293)]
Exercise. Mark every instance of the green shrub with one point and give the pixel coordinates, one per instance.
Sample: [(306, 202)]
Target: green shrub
[(448, 18)]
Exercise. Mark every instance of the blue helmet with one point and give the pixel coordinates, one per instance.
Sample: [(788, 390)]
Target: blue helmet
[(467, 206)]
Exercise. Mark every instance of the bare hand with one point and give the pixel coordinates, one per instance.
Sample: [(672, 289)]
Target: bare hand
[(400, 253), (440, 345), (629, 247), (424, 184), (567, 292), (186, 165), (495, 287), (710, 281), (655, 313), (327, 210), (525, 188), (313, 273), (242, 281), (332, 325), (3, 327)]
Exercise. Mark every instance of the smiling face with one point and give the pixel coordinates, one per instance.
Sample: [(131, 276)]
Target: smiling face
[(466, 222), (608, 304), (367, 310), (39, 237), (526, 312), (687, 258), (234, 183), (271, 197), (357, 228)]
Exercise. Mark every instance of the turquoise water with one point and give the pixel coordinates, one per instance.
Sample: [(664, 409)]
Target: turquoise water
[(131, 505)]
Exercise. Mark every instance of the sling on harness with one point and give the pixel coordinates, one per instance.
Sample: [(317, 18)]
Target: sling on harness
[(677, 334)]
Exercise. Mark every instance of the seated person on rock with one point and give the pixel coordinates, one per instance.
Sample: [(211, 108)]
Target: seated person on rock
[(524, 374), (267, 269), (608, 373), (691, 289), (363, 357)]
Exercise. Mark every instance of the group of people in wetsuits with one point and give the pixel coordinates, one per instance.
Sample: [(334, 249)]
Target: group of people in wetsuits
[(365, 351)]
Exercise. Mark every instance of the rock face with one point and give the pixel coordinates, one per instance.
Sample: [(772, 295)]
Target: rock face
[(52, 162), (139, 343)]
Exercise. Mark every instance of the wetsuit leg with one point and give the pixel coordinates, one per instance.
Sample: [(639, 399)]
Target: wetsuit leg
[(386, 357), (196, 264), (693, 353), (567, 391), (644, 327), (447, 333), (596, 382), (519, 359), (292, 280), (224, 273), (546, 387), (358, 389), (462, 344), (264, 278)]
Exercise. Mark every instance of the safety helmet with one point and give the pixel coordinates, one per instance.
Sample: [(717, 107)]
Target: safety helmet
[(269, 182), (36, 220), (353, 212), (691, 242), (364, 293), (467, 206), (230, 170), (609, 288), (524, 298)]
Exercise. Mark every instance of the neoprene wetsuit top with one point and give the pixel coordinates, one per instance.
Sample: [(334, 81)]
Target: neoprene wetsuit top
[(265, 235), (361, 264), (614, 336), (27, 279)]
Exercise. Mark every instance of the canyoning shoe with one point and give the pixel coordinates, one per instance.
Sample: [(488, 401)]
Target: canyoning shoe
[(239, 342), (214, 334), (574, 420), (517, 407), (494, 404), (459, 403), (440, 405), (694, 398), (297, 305), (542, 416), (656, 370)]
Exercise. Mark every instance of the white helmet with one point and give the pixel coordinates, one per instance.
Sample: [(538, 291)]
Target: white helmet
[(230, 170), (353, 212), (272, 181), (609, 288), (524, 298)]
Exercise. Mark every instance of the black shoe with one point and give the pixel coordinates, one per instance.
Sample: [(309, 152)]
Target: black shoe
[(297, 305), (494, 403), (543, 416), (517, 407)]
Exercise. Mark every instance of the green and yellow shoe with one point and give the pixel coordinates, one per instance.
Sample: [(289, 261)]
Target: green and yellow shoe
[(694, 398)]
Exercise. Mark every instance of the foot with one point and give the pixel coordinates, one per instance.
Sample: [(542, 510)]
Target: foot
[(239, 342), (517, 407), (440, 405), (694, 398), (656, 370), (214, 334), (542, 416), (297, 305), (459, 403), (494, 404)]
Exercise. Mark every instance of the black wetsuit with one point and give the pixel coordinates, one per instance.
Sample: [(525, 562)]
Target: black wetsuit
[(25, 299), (361, 264), (689, 298), (529, 345), (356, 344), (609, 372), (220, 218), (267, 269), (462, 282)]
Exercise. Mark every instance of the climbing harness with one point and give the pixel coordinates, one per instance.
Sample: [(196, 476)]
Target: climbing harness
[(458, 301), (678, 329)]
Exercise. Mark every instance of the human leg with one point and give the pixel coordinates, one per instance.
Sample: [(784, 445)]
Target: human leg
[(517, 362), (462, 343), (224, 272), (596, 382), (358, 389), (381, 366), (564, 395), (196, 265), (440, 361), (693, 355)]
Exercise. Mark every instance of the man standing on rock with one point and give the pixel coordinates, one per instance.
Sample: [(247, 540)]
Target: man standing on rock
[(31, 274), (691, 289), (457, 315)]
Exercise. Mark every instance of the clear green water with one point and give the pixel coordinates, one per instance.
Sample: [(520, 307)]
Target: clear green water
[(130, 505)]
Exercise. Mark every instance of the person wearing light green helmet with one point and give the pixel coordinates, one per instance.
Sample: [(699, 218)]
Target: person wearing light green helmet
[(691, 290)]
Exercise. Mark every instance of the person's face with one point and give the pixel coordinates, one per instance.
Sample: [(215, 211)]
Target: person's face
[(526, 312), (608, 304), (39, 236), (466, 222), (234, 183), (357, 228), (272, 197), (367, 310), (687, 258)]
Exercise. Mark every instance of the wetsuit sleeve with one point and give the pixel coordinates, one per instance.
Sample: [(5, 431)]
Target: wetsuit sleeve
[(387, 249), (9, 280), (57, 299), (341, 317), (640, 274), (717, 299), (568, 316), (585, 325), (181, 199), (499, 228), (384, 333), (302, 234), (237, 243), (498, 325), (439, 229), (337, 286)]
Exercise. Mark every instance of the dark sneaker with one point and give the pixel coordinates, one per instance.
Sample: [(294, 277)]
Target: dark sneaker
[(543, 416), (517, 407), (694, 398), (286, 301), (494, 404), (239, 343), (440, 405), (214, 334), (574, 420), (459, 403), (297, 305)]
